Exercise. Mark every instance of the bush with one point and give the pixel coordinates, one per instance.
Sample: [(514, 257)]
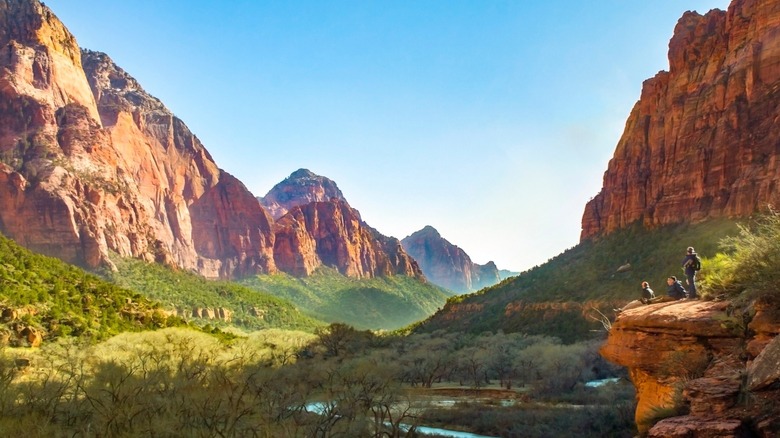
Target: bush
[(750, 262)]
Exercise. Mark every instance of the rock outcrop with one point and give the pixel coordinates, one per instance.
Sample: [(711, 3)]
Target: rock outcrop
[(701, 142), (333, 234), (300, 188), (690, 359), (446, 264)]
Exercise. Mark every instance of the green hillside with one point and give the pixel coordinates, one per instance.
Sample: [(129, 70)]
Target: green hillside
[(375, 303), (183, 291), (548, 299), (50, 298)]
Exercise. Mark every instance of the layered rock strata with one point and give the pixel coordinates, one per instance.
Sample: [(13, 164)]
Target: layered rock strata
[(91, 165), (333, 234), (692, 358), (701, 142)]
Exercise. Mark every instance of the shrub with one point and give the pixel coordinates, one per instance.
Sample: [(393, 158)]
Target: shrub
[(750, 262)]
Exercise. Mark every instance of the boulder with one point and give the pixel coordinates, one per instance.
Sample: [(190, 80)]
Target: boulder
[(765, 369)]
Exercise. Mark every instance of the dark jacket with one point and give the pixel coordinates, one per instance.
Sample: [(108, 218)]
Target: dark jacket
[(688, 263), (676, 291)]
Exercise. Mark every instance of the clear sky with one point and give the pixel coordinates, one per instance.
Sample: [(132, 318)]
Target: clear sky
[(492, 121)]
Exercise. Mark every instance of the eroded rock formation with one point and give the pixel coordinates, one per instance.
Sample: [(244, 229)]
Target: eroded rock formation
[(692, 358), (332, 234), (91, 164), (701, 142), (316, 226)]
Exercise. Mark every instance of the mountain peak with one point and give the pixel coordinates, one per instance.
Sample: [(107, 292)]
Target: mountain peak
[(428, 231), (446, 264), (300, 188), (303, 173)]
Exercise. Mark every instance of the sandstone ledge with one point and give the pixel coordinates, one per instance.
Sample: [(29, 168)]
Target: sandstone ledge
[(691, 357)]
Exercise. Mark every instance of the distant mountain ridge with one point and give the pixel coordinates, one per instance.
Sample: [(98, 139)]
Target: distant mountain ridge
[(448, 265), (332, 234)]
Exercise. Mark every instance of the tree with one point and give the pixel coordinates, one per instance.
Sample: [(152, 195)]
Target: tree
[(339, 339)]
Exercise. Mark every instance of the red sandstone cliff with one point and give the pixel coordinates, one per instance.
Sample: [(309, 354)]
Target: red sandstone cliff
[(701, 142), (91, 164), (714, 363), (316, 226), (446, 264), (332, 234)]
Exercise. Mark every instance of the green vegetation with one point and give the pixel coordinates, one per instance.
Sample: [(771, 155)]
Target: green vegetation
[(54, 299), (375, 303), (749, 266), (185, 292), (586, 275), (341, 382)]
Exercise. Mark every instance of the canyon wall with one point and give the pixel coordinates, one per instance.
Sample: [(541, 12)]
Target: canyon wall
[(702, 141), (91, 165)]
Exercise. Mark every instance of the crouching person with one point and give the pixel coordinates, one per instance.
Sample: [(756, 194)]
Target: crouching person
[(675, 291), (647, 294)]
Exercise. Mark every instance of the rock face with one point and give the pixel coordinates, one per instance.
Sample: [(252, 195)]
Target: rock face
[(91, 164), (448, 265), (300, 188), (701, 142), (691, 357), (332, 234), (315, 226)]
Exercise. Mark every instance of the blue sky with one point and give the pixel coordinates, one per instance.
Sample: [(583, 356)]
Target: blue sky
[(492, 121)]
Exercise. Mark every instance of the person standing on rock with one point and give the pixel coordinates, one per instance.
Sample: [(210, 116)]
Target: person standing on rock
[(691, 264)]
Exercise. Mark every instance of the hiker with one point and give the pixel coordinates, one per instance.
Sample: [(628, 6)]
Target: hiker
[(675, 291), (647, 296), (647, 293), (691, 263)]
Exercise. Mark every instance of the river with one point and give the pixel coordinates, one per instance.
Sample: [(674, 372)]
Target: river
[(318, 408)]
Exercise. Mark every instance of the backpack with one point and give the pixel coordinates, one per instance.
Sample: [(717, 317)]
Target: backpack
[(696, 264)]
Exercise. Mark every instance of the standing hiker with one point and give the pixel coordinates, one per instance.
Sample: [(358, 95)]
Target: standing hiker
[(691, 264)]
